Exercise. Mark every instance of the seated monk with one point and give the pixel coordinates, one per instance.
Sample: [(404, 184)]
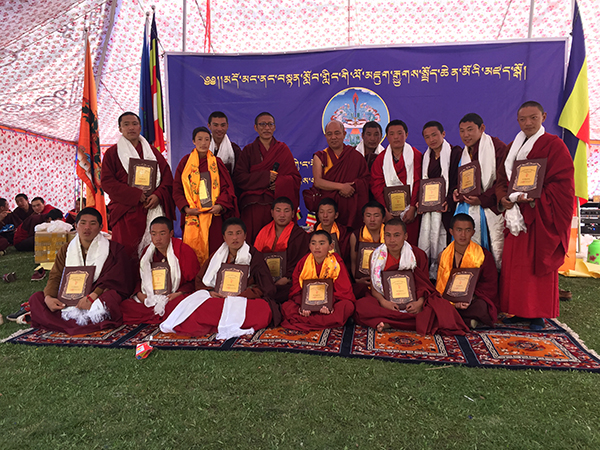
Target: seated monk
[(327, 214), (146, 306), (206, 311), (39, 206), (283, 235), (465, 253), (372, 231), (429, 314), (24, 209), (24, 237), (322, 262), (112, 282)]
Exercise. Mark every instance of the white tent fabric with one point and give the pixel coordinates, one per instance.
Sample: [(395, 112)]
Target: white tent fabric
[(42, 47)]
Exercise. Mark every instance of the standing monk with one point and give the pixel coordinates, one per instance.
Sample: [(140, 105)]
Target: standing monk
[(201, 225), (399, 165), (265, 170), (220, 145), (490, 152), (130, 210), (340, 173), (370, 145), (537, 230)]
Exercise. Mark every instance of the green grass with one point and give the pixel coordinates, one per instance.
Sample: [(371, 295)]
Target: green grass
[(87, 398)]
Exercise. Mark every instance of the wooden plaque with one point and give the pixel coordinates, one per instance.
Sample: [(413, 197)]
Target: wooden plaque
[(232, 279), (461, 285), (76, 283), (469, 180), (363, 258), (397, 198), (142, 174), (317, 293), (161, 278), (276, 261), (528, 177), (205, 190), (399, 287), (432, 195)]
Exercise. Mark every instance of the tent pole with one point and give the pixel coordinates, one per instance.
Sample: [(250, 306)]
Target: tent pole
[(531, 13), (111, 22), (183, 31)]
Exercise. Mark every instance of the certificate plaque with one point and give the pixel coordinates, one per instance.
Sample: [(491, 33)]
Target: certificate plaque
[(205, 190), (142, 174), (469, 180), (461, 285), (317, 293), (432, 195), (76, 283), (161, 278), (363, 258), (276, 261), (528, 177), (232, 279), (399, 287), (397, 198)]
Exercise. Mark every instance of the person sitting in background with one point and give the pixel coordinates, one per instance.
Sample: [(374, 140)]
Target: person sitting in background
[(39, 206), (24, 238), (327, 215), (24, 209)]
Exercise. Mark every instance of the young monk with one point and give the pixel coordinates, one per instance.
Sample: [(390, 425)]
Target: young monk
[(322, 262), (372, 231), (327, 214), (206, 311), (283, 235), (465, 253), (428, 314), (145, 306)]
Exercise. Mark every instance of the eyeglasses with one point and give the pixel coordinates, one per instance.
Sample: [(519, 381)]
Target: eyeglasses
[(266, 124)]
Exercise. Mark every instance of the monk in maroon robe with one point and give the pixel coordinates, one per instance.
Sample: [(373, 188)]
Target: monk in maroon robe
[(327, 215), (340, 173), (24, 237), (39, 206), (428, 314), (283, 235), (135, 309), (400, 154), (220, 145), (534, 251), (113, 284), (129, 206), (24, 209), (265, 171), (321, 262)]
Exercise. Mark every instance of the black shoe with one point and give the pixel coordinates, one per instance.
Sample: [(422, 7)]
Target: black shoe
[(14, 316)]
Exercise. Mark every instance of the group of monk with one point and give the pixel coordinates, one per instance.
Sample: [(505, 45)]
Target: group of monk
[(237, 206)]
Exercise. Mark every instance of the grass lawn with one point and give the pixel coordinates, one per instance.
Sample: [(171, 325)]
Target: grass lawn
[(88, 398)]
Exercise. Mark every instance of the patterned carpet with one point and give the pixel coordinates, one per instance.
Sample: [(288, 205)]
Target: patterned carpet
[(512, 347)]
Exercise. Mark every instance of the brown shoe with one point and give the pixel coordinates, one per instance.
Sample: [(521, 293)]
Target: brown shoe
[(564, 295), (9, 277)]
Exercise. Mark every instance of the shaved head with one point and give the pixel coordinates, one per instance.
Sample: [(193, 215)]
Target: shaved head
[(333, 123)]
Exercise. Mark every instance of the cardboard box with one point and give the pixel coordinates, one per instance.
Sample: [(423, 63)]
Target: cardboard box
[(47, 245)]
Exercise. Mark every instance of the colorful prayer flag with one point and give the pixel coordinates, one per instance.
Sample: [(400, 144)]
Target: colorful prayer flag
[(89, 164), (575, 116), (157, 100), (146, 109)]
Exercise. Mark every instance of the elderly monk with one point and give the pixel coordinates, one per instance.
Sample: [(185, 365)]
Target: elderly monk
[(265, 170), (490, 152), (24, 209), (399, 165), (146, 306), (220, 145), (283, 235), (440, 160), (370, 145), (537, 230), (465, 254), (206, 311), (112, 282), (327, 219), (200, 178), (372, 231), (322, 262), (340, 173), (130, 209), (428, 314)]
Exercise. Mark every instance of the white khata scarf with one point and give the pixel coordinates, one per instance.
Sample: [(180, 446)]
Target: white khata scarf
[(361, 148), (408, 261), (389, 171), (519, 150), (96, 256), (126, 151), (225, 151)]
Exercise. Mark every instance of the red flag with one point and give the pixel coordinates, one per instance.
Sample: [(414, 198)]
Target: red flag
[(88, 151)]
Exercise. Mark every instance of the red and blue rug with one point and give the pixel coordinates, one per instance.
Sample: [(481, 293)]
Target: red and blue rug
[(512, 347)]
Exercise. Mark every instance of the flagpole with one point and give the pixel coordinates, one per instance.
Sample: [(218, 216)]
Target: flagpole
[(184, 30), (531, 13)]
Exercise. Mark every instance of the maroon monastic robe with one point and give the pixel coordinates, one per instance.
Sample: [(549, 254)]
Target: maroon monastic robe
[(135, 312), (226, 199), (530, 261), (114, 284), (488, 198), (22, 215), (343, 302), (251, 176), (127, 216), (438, 316), (378, 185)]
